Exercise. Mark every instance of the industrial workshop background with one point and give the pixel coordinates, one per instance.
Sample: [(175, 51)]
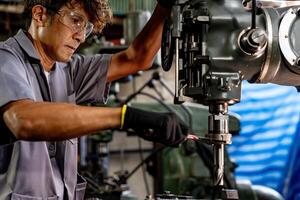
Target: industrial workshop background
[(262, 161)]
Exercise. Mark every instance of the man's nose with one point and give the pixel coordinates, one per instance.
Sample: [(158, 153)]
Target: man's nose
[(80, 36)]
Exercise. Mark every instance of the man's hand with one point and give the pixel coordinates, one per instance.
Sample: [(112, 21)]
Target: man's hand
[(166, 3), (164, 128)]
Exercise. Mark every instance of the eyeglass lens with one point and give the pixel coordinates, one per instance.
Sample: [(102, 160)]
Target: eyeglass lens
[(77, 23)]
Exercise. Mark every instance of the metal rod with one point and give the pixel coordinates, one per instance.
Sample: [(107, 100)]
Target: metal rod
[(176, 67), (253, 26)]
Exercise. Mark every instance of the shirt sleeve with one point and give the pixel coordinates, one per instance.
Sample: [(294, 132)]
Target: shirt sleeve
[(89, 76), (14, 82)]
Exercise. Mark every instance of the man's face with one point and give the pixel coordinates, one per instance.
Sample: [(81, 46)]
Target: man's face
[(66, 30)]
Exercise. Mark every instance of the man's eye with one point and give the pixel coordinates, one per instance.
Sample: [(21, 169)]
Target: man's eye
[(76, 21)]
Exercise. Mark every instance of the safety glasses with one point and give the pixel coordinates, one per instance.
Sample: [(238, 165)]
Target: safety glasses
[(75, 21)]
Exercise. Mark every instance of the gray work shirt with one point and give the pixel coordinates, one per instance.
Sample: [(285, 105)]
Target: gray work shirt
[(27, 169)]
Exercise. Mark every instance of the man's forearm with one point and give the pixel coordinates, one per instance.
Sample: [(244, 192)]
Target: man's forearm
[(30, 120)]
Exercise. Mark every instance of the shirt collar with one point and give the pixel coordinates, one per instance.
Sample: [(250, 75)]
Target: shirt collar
[(26, 44)]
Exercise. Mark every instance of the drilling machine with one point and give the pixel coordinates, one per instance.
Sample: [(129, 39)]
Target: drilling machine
[(215, 44)]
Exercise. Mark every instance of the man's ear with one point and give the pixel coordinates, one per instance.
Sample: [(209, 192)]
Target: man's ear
[(39, 15)]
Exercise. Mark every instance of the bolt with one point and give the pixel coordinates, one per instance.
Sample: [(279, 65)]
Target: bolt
[(298, 61), (298, 12), (259, 37)]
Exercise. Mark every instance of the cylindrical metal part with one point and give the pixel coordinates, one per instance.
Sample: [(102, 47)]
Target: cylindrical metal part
[(218, 124), (217, 108), (218, 130), (176, 68), (218, 153)]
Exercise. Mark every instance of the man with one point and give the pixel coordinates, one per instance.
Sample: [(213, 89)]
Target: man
[(40, 82)]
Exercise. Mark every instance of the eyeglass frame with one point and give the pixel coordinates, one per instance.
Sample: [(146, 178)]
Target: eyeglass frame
[(88, 27)]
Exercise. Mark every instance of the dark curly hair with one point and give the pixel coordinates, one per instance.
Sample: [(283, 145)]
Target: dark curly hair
[(99, 11)]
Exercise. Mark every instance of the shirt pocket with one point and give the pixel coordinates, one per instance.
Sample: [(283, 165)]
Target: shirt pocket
[(73, 141), (16, 196), (80, 190)]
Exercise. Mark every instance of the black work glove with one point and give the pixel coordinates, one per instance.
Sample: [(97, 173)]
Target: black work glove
[(165, 3), (164, 128)]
